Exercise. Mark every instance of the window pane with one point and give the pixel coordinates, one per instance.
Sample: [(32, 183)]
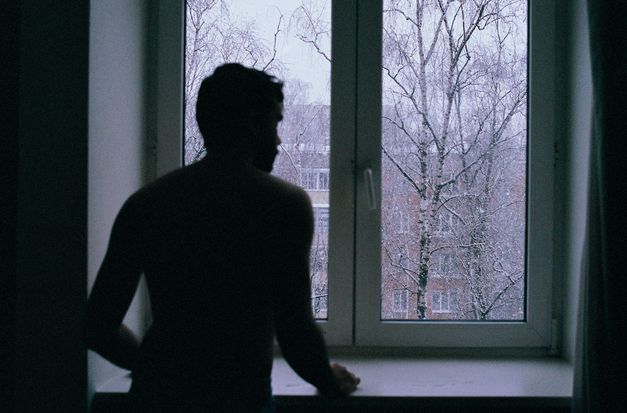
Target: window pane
[(454, 150), (400, 301), (291, 41)]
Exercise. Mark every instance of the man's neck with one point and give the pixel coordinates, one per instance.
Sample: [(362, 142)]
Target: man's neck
[(227, 159)]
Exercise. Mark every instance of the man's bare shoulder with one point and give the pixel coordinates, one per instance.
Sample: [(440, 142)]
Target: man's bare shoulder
[(245, 181), (154, 193), (284, 190)]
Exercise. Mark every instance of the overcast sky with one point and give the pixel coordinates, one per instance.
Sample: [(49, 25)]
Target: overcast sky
[(300, 59)]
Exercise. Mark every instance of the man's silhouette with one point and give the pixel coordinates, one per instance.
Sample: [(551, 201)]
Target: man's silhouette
[(224, 247)]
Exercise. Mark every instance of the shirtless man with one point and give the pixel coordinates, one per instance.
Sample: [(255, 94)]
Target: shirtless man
[(224, 247)]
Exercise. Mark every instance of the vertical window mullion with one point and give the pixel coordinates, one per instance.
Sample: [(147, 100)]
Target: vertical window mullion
[(368, 148), (167, 88), (338, 329)]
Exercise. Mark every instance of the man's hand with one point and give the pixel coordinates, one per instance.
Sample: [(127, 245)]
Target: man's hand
[(348, 381)]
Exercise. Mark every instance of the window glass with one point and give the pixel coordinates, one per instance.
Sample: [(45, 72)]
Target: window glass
[(454, 151), (290, 40), (400, 301)]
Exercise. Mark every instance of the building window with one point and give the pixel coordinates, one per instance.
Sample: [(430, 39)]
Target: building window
[(444, 301), (444, 265), (315, 179), (400, 301), (323, 180), (402, 222), (321, 219), (447, 223)]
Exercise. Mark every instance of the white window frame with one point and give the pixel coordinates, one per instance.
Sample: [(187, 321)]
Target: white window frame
[(355, 235), (535, 330)]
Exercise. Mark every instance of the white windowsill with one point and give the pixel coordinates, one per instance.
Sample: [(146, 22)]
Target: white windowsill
[(545, 382)]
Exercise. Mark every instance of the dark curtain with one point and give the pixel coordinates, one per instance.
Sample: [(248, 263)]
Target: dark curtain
[(601, 368)]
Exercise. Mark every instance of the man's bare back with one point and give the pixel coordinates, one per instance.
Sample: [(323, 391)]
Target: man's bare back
[(224, 247)]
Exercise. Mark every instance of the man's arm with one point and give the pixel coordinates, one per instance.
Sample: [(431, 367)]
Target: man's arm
[(301, 342), (112, 293)]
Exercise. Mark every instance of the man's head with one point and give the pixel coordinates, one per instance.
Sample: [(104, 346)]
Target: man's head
[(238, 108)]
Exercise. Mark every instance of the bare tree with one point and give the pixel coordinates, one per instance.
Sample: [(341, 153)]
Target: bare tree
[(214, 37), (453, 144), (450, 102)]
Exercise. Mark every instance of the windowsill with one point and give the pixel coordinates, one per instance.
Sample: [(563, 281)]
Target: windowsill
[(429, 382)]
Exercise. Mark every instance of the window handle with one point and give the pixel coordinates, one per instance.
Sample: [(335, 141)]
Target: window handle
[(370, 188)]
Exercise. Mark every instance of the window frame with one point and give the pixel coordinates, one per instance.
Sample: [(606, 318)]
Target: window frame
[(535, 331), (354, 226)]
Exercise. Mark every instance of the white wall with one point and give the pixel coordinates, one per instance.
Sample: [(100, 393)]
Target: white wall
[(117, 134)]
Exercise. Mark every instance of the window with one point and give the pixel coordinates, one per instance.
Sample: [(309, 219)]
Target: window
[(314, 179), (448, 223), (402, 222), (414, 178), (444, 301), (444, 265), (400, 301), (402, 260), (321, 219), (439, 104)]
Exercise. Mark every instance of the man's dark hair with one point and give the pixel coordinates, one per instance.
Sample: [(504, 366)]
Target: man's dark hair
[(229, 96)]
